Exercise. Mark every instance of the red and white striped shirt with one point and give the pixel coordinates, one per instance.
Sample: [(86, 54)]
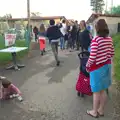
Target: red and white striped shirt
[(102, 50)]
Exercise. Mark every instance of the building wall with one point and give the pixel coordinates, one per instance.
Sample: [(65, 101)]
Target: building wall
[(112, 24), (34, 22)]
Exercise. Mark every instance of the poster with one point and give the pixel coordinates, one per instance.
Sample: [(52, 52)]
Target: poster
[(10, 39)]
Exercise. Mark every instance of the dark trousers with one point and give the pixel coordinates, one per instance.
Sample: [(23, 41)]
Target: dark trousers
[(72, 43), (78, 44), (36, 37), (54, 47)]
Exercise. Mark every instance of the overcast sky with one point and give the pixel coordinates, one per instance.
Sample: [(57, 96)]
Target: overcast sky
[(72, 9)]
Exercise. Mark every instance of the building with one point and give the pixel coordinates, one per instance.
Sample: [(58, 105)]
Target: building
[(35, 21), (113, 22)]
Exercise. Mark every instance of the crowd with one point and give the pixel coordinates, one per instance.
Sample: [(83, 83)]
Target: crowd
[(70, 35), (74, 35)]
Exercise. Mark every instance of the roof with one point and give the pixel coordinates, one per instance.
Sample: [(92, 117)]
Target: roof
[(95, 16), (37, 18)]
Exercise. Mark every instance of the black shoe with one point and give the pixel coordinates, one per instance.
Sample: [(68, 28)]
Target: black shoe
[(58, 63), (44, 50), (78, 94), (81, 95), (42, 53)]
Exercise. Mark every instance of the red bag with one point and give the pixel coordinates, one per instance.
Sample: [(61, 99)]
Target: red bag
[(83, 84)]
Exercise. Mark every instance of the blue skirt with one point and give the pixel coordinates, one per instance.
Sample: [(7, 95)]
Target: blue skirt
[(100, 79)]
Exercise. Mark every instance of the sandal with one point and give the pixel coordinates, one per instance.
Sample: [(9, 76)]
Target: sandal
[(101, 115), (88, 113)]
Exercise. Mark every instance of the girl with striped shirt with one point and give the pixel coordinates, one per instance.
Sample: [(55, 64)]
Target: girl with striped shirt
[(99, 66)]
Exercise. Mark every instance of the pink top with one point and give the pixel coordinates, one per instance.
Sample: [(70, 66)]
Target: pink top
[(5, 92)]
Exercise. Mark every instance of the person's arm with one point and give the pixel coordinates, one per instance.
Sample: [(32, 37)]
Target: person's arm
[(93, 53)]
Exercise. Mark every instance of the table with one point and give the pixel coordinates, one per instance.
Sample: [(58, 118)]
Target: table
[(13, 51)]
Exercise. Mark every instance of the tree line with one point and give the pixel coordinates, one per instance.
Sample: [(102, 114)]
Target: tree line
[(98, 7)]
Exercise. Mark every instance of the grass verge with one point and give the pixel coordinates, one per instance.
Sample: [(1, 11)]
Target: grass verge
[(6, 57), (116, 40)]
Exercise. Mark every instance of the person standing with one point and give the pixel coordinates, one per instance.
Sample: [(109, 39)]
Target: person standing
[(99, 66), (73, 37), (35, 30), (42, 33), (63, 30), (84, 36), (54, 35), (77, 36)]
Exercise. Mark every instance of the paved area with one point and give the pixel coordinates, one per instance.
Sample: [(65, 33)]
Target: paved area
[(49, 91)]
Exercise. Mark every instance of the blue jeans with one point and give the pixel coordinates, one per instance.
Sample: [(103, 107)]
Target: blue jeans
[(62, 43)]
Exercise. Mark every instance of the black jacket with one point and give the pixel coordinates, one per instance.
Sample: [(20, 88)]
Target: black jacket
[(53, 33), (85, 39), (74, 32)]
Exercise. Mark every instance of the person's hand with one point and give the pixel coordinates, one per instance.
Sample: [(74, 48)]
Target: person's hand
[(87, 69)]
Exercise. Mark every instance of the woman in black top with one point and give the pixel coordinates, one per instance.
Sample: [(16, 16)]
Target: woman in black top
[(84, 36)]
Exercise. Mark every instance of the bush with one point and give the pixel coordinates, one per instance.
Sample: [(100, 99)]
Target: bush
[(116, 40)]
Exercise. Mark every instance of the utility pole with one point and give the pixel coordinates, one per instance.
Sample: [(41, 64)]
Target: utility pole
[(111, 5), (28, 13), (28, 28), (106, 5)]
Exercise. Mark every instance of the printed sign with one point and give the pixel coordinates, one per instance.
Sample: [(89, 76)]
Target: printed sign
[(10, 39)]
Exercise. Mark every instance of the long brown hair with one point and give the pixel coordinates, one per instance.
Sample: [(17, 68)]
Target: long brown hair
[(83, 23), (42, 28), (102, 28)]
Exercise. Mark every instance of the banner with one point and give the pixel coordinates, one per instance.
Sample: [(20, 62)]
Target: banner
[(10, 39)]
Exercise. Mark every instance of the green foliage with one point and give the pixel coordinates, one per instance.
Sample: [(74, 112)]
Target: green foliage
[(3, 27), (114, 10), (116, 40), (97, 5)]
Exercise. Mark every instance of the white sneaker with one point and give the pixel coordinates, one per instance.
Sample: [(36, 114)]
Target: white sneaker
[(2, 77)]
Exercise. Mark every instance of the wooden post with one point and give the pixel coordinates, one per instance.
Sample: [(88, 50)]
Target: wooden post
[(28, 17), (28, 13)]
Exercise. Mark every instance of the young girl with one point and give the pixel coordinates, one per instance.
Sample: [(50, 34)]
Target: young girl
[(42, 38), (8, 90)]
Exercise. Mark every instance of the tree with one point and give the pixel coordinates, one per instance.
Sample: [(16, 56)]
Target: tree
[(6, 16), (113, 10), (97, 5)]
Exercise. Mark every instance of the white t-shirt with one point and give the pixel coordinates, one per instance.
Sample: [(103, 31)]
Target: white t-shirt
[(63, 29)]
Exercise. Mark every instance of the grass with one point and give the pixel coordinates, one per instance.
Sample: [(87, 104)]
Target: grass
[(6, 57), (116, 40)]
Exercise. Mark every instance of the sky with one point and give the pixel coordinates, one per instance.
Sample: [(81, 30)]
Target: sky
[(71, 9)]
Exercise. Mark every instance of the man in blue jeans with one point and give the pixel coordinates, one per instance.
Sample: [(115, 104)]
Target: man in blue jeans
[(62, 43)]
